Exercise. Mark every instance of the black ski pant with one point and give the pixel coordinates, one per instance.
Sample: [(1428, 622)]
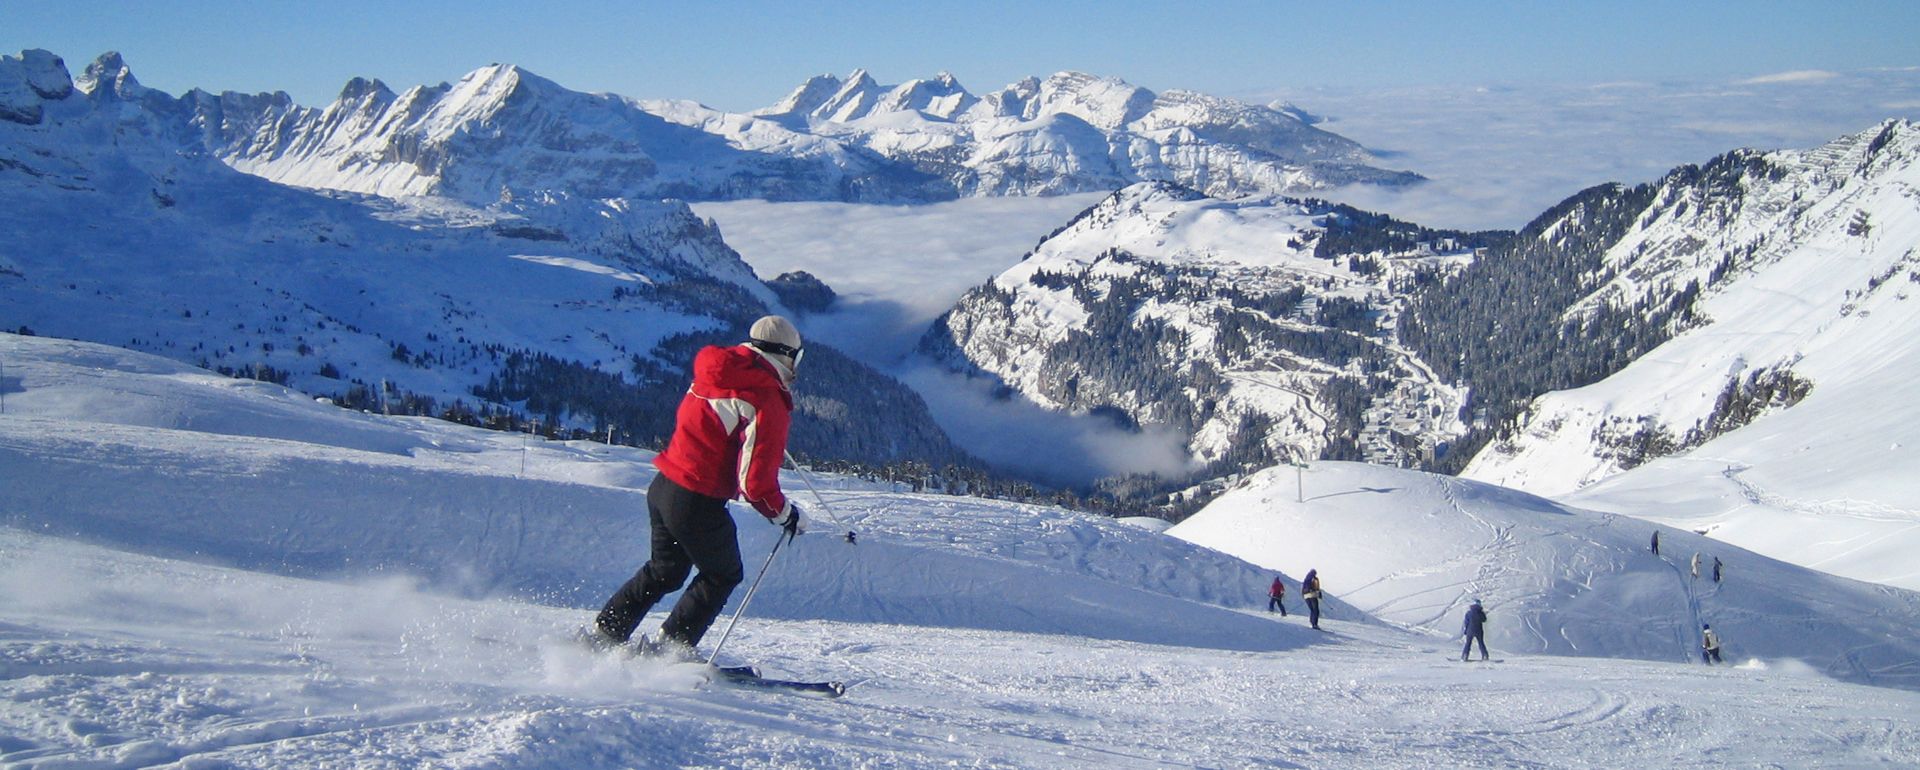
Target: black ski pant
[(1313, 612), (1273, 602), (689, 530), (1709, 655), (1471, 638)]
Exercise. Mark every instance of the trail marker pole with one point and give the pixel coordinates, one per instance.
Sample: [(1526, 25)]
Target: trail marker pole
[(1299, 481)]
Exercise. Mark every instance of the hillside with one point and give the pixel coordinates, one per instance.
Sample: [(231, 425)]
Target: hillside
[(1262, 329), (1781, 399), (1413, 548), (970, 632), (1729, 272), (140, 452), (581, 312)]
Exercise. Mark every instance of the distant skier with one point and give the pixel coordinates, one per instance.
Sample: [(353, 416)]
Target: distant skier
[(1275, 596), (729, 436), (1475, 628), (1310, 591), (1716, 569), (1709, 645), (1656, 543), (1696, 566)]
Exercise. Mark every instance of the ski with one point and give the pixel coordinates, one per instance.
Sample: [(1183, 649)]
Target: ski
[(748, 676)]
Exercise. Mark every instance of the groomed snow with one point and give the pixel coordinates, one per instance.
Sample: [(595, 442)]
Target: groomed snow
[(971, 632), (1414, 548), (116, 660)]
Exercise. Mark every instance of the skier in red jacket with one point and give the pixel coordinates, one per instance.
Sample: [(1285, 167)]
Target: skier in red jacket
[(1276, 596), (729, 438)]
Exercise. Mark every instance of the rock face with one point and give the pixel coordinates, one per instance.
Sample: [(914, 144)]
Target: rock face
[(582, 311), (1262, 329), (853, 140)]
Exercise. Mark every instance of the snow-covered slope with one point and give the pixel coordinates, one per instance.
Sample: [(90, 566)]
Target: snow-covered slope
[(141, 452), (1414, 548), (117, 660), (1260, 328), (1805, 263), (1036, 637), (119, 231), (1075, 132)]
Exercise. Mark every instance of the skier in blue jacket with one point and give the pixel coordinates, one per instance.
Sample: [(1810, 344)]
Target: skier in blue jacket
[(1475, 627)]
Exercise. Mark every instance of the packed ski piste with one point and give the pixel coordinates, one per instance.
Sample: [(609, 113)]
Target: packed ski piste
[(186, 586)]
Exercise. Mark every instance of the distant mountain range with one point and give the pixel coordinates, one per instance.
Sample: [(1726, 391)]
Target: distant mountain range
[(501, 127)]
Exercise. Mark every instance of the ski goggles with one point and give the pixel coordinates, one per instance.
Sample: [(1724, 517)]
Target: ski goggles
[(793, 354)]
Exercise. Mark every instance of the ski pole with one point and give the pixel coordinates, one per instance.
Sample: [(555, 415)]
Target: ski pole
[(808, 479), (784, 537)]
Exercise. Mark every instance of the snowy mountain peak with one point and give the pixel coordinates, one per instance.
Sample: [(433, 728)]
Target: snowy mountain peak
[(112, 73), (1288, 108), (360, 88), (805, 99), (941, 97), (854, 100), (27, 80), (1105, 102)]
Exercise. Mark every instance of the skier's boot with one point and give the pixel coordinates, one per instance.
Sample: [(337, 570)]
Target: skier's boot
[(595, 640), (669, 650)]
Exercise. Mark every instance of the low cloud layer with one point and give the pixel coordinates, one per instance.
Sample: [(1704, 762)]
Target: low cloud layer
[(1055, 447), (1498, 155), (914, 260)]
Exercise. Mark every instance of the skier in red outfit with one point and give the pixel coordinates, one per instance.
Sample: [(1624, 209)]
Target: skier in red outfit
[(729, 438), (1276, 596)]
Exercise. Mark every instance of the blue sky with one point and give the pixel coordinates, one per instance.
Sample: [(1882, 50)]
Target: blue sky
[(738, 55)]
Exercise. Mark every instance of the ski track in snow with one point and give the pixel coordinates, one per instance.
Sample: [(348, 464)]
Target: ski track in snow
[(118, 660)]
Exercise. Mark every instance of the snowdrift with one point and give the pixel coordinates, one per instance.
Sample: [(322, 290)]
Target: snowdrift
[(146, 454), (1414, 548)]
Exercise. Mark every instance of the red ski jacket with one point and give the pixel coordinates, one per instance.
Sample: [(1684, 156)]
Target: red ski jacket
[(730, 435)]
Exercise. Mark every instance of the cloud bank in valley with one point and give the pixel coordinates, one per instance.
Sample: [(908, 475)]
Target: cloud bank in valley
[(1055, 447), (1497, 155)]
